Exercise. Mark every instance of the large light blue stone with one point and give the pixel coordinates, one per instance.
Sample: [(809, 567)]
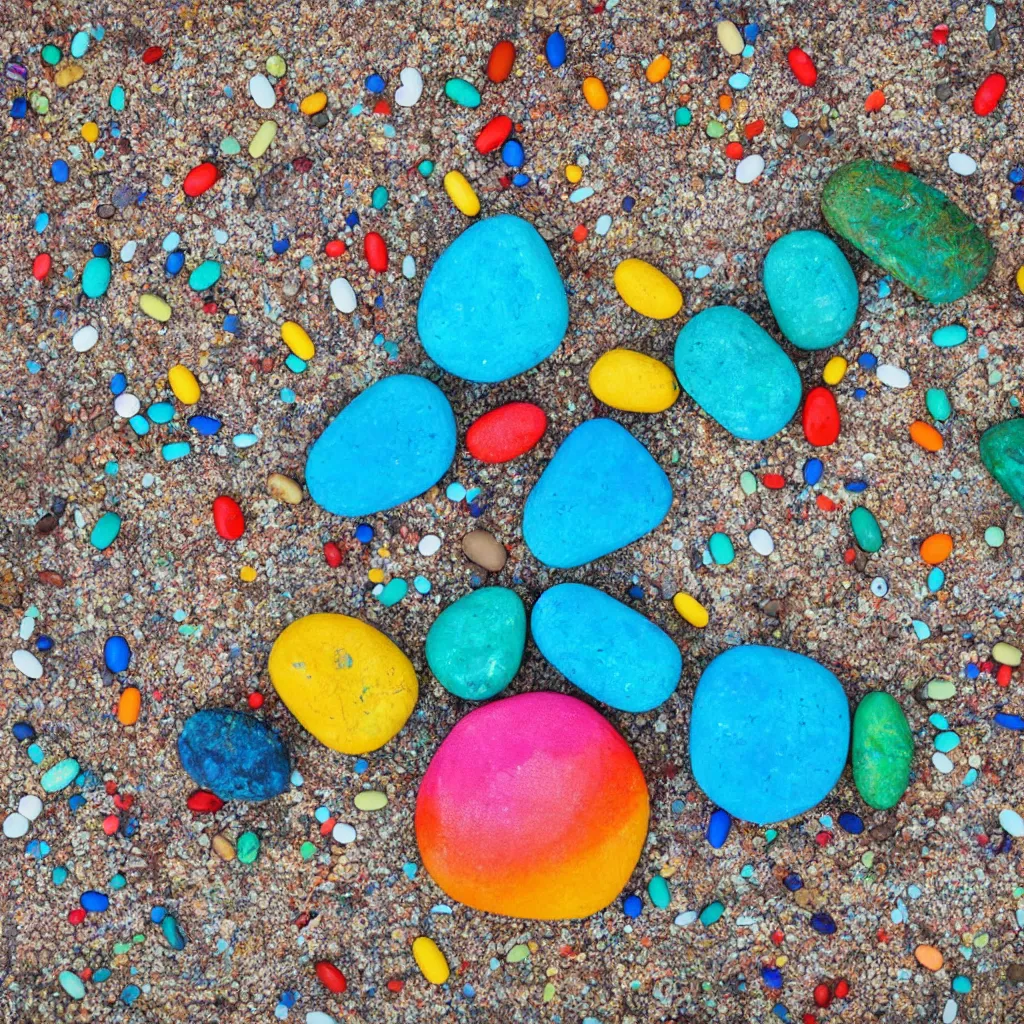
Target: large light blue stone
[(600, 492), (234, 755), (737, 373), (393, 441), (605, 647), (493, 304), (769, 733), (811, 288)]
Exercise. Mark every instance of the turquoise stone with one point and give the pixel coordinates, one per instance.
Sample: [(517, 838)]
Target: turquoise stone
[(769, 733), (600, 492), (117, 98), (866, 531), (493, 305), (79, 44), (476, 644), (462, 93), (722, 551), (737, 373), (949, 336), (937, 403), (96, 277), (205, 276), (60, 776), (811, 289), (1002, 452), (883, 749), (105, 532), (658, 890), (908, 228), (392, 442), (604, 647)]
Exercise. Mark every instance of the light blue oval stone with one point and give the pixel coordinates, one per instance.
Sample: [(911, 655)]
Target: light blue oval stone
[(175, 450), (949, 336), (769, 733), (739, 81), (493, 304), (605, 648), (600, 492), (811, 288), (393, 441), (79, 44), (96, 277), (936, 578), (117, 98), (161, 412), (234, 755), (735, 371)]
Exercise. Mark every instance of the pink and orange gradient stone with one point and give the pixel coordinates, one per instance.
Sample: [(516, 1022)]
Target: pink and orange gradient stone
[(534, 807)]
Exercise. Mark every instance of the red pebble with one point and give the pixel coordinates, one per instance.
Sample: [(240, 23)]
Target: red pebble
[(506, 432), (123, 801), (335, 247), (774, 481), (111, 823), (493, 134), (200, 178), (228, 520), (849, 556), (202, 801), (734, 151), (986, 666), (152, 54), (328, 826), (210, 307), (821, 417), (989, 93), (802, 66), (396, 985), (822, 996), (825, 503), (331, 978), (110, 786), (1003, 675), (255, 701), (809, 1018), (499, 64), (579, 233), (41, 266), (332, 554), (777, 937), (901, 165), (754, 129), (823, 838), (940, 35), (376, 251), (842, 988), (382, 107), (77, 916)]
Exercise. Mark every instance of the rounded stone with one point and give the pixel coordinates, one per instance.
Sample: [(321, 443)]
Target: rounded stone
[(769, 733), (882, 750)]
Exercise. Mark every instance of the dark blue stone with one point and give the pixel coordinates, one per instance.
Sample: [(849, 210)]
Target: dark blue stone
[(867, 360), (352, 219), (281, 245), (822, 922), (205, 425), (632, 906), (23, 731), (813, 468), (364, 533), (117, 654), (718, 828), (850, 822), (118, 384), (234, 755), (231, 323), (102, 250), (1014, 722), (1016, 175), (76, 802), (59, 171), (19, 108), (772, 977), (554, 49), (94, 902), (375, 83), (174, 262), (856, 486), (44, 643), (793, 882)]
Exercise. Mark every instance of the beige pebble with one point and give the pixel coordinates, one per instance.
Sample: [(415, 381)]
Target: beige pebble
[(223, 848), (1006, 654), (482, 549), (284, 488)]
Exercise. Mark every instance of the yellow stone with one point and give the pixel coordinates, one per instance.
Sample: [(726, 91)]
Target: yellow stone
[(184, 384), (461, 193), (1006, 654), (297, 340), (647, 290), (262, 139), (90, 131), (313, 103), (247, 573), (1020, 279), (375, 575), (370, 800), (430, 960), (68, 75), (633, 382), (690, 609), (345, 681), (284, 488), (573, 174), (835, 370), (152, 305)]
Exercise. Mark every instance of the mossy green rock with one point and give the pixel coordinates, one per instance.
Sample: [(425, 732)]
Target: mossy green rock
[(476, 644), (1002, 452), (882, 749), (908, 228)]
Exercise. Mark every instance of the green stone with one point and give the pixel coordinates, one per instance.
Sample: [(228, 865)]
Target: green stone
[(881, 751), (715, 129), (205, 276), (937, 403), (51, 55), (721, 548), (518, 953), (658, 890), (461, 92), (276, 66), (748, 482), (105, 532), (40, 103), (1002, 452), (96, 277), (306, 850), (908, 228), (247, 848), (866, 530), (230, 146), (476, 644)]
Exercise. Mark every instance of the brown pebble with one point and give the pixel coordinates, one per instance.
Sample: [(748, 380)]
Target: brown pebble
[(882, 832), (482, 549), (223, 848), (47, 524), (51, 578), (1015, 972), (105, 212)]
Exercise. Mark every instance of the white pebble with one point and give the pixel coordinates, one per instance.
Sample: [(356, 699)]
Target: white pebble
[(1012, 822), (961, 163), (949, 1011), (27, 664), (604, 224), (343, 295), (685, 918), (126, 405), (262, 92), (15, 825), (892, 376), (343, 833), (84, 338), (128, 251), (409, 92), (28, 625), (319, 1017), (430, 544), (30, 806), (879, 586), (749, 168), (761, 541), (408, 268), (941, 762)]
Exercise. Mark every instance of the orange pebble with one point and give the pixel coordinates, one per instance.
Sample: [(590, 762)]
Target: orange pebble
[(929, 957), (754, 129), (901, 165), (875, 101), (128, 706), (936, 548), (580, 233), (826, 504), (725, 102), (734, 151), (926, 436), (658, 68)]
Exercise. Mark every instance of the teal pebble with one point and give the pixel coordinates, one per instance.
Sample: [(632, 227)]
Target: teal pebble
[(462, 93), (426, 168), (939, 721), (161, 412), (711, 913), (950, 336), (971, 777), (866, 531), (72, 984), (230, 146), (683, 117), (60, 776), (139, 424), (175, 450), (921, 629), (961, 984), (395, 590), (101, 975), (947, 741), (205, 276), (117, 98), (118, 882), (105, 532), (379, 198), (295, 364), (59, 876), (96, 277), (35, 754), (936, 578), (172, 933), (422, 585), (657, 889), (721, 548), (937, 403)]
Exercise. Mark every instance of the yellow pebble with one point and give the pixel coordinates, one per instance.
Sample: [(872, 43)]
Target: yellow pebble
[(68, 75), (314, 103), (574, 173), (1020, 279), (223, 848), (90, 131), (690, 609), (284, 488), (184, 384), (633, 382), (835, 370), (263, 138), (152, 305), (247, 573), (595, 93), (461, 193), (376, 575), (647, 290), (371, 800), (430, 960), (384, 552), (297, 340), (1006, 654), (658, 68)]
